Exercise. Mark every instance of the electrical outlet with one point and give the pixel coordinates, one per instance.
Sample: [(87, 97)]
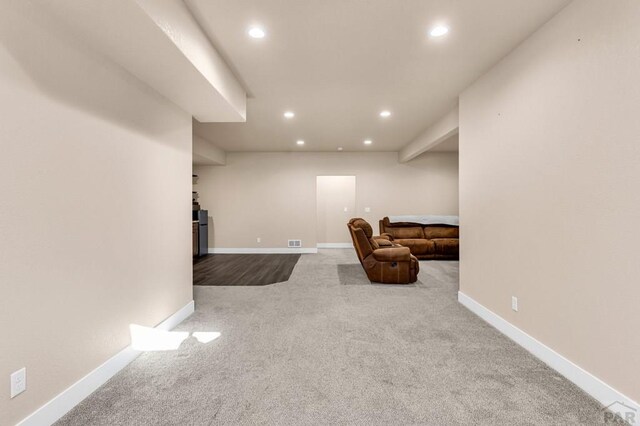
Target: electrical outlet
[(18, 382), (367, 209), (259, 239), (346, 209), (514, 303)]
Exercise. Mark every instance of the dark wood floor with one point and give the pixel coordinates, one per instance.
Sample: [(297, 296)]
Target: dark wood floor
[(243, 269)]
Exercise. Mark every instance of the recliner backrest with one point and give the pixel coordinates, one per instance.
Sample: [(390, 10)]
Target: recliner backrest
[(362, 224), (435, 231), (358, 230), (404, 232)]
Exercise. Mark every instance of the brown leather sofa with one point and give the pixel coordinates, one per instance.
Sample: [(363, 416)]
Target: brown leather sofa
[(382, 260), (425, 241)]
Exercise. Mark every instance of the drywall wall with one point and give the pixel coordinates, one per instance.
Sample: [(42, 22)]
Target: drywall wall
[(94, 219), (549, 158), (273, 195)]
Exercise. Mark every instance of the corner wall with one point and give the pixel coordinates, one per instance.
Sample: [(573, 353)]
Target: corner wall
[(549, 206), (273, 195), (94, 223)]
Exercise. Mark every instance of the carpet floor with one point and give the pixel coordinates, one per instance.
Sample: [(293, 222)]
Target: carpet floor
[(329, 348)]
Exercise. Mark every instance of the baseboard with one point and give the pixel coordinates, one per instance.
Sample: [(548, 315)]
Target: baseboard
[(72, 396), (275, 250), (334, 245), (586, 381)]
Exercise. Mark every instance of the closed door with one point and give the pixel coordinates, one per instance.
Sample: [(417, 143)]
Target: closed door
[(336, 204)]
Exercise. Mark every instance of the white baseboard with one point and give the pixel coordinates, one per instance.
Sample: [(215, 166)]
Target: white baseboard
[(586, 381), (53, 410), (275, 250), (334, 245)]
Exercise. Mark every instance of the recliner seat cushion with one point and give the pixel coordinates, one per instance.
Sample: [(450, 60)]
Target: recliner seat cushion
[(406, 232), (418, 246), (446, 246)]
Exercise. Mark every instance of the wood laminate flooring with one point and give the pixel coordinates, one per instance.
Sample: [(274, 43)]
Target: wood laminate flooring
[(243, 269)]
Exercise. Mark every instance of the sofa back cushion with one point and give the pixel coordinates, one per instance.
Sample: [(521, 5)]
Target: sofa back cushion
[(431, 232), (402, 232)]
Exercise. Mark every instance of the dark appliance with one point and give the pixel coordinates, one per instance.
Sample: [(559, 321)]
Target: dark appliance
[(202, 216)]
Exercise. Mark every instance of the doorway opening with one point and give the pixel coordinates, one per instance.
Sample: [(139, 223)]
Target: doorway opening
[(335, 204)]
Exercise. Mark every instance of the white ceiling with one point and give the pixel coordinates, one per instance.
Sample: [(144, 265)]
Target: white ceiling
[(338, 63), (161, 44)]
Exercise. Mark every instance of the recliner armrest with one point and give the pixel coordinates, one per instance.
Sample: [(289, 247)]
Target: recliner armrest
[(386, 236), (383, 242), (392, 254)]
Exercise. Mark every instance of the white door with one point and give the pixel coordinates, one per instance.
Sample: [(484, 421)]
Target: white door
[(336, 204)]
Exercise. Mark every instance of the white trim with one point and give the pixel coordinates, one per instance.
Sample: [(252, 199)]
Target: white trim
[(275, 250), (61, 404), (586, 381), (335, 245)]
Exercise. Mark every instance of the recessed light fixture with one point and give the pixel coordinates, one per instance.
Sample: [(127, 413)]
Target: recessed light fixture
[(385, 113), (300, 142), (368, 142), (289, 114), (256, 32), (339, 148), (438, 31)]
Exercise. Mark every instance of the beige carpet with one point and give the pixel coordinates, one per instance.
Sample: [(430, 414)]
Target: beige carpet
[(329, 348)]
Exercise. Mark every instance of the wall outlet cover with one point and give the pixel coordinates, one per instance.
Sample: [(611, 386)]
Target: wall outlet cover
[(514, 303), (18, 382)]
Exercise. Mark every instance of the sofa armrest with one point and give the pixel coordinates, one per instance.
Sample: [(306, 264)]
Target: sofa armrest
[(392, 254), (386, 236)]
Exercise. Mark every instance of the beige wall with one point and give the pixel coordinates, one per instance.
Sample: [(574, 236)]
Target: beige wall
[(273, 195), (94, 216), (549, 155)]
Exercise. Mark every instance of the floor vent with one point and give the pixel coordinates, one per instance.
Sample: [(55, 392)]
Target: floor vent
[(295, 243)]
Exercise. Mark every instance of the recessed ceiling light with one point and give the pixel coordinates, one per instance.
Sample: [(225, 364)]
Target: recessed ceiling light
[(300, 142), (438, 30), (385, 113), (339, 148), (256, 32), (289, 114), (367, 142)]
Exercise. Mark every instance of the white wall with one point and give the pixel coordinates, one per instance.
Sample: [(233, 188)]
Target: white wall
[(549, 205), (94, 218), (273, 195)]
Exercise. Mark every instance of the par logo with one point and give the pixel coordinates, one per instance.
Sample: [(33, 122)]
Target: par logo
[(620, 413)]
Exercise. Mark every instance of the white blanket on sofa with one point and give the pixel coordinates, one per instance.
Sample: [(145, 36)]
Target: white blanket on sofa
[(426, 219)]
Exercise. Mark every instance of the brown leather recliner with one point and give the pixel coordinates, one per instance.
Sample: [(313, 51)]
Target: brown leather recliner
[(383, 261)]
